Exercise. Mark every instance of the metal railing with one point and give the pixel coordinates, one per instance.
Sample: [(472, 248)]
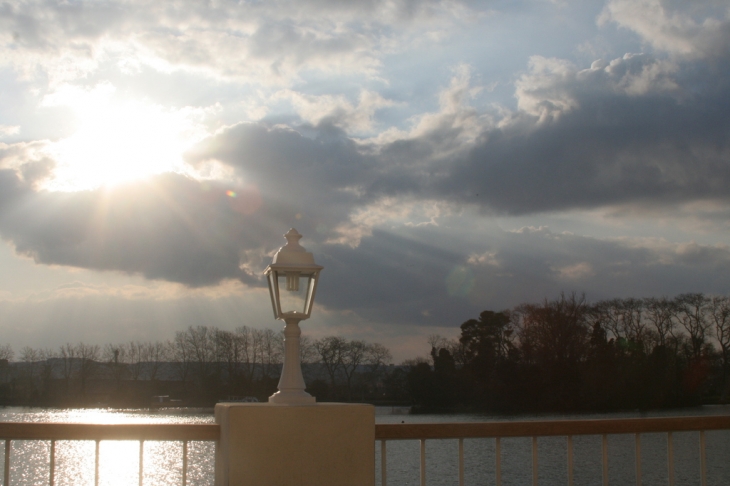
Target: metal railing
[(565, 428), (386, 432), (10, 431)]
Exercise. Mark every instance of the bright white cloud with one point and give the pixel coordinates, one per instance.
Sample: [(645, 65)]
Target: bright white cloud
[(689, 29)]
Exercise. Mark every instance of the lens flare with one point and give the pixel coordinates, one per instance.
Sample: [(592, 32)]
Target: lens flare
[(460, 282)]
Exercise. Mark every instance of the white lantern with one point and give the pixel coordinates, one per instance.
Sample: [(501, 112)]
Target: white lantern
[(292, 278)]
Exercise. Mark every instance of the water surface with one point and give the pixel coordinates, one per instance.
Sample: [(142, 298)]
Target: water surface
[(119, 460)]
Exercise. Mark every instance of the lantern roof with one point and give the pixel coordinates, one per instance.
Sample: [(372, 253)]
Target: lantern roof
[(293, 254)]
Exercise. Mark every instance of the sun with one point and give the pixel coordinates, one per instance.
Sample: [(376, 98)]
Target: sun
[(119, 140)]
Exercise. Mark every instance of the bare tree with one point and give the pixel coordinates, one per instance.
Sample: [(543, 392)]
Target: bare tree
[(272, 344), (436, 342), (610, 315), (377, 358), (250, 343), (307, 351), (68, 356), (660, 313), (634, 324), (115, 356), (201, 344), (555, 333), (692, 313), (229, 347), (88, 355), (47, 359), (134, 355), (353, 355), (153, 354), (181, 355), (720, 312), (331, 350), (31, 359), (6, 352)]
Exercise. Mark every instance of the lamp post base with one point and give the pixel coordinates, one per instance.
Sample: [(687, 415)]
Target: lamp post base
[(291, 385), (292, 398), (310, 445)]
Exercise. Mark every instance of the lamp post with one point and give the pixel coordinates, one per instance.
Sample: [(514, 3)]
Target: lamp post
[(292, 278)]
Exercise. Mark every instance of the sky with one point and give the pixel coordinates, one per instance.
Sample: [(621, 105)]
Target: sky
[(441, 158)]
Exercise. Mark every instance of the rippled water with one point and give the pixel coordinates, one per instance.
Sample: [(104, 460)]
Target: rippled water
[(442, 456), (118, 461)]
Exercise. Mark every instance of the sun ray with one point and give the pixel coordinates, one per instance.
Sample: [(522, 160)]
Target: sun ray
[(118, 140)]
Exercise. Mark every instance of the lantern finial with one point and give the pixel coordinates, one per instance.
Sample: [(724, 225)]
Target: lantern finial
[(292, 237)]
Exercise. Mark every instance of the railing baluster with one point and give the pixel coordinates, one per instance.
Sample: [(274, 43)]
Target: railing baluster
[(141, 462), (96, 464), (52, 466), (703, 460), (570, 460), (185, 464), (6, 472), (638, 459), (498, 460), (423, 462), (534, 460), (461, 461), (604, 453), (383, 469), (670, 458)]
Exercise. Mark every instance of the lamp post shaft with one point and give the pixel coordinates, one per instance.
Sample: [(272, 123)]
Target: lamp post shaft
[(291, 384)]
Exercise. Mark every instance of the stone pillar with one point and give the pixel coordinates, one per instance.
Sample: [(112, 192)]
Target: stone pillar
[(266, 444)]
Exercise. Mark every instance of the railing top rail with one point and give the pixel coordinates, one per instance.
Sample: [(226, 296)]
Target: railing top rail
[(206, 432), (539, 428), (65, 431)]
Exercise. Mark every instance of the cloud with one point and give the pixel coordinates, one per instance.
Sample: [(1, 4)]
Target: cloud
[(689, 29), (253, 41), (630, 131), (101, 314), (31, 160), (170, 227), (397, 214), (553, 87), (535, 263), (6, 130), (336, 109), (634, 130)]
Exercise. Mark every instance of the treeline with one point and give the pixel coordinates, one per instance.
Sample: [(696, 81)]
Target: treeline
[(559, 355), (200, 366), (569, 355)]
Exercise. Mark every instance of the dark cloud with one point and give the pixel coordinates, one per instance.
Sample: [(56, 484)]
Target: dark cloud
[(584, 139), (393, 277), (170, 227), (637, 130), (633, 131), (320, 175)]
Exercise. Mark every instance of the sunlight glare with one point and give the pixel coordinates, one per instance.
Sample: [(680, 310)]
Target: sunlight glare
[(119, 140)]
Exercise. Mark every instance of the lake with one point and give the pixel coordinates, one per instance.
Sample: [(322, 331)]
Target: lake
[(118, 459)]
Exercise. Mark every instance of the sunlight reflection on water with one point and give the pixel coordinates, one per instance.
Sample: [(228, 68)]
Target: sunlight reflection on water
[(118, 460)]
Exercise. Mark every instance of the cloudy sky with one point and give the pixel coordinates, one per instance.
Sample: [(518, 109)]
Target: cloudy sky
[(440, 157)]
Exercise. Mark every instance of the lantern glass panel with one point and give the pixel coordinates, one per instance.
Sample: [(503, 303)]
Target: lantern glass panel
[(293, 291)]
